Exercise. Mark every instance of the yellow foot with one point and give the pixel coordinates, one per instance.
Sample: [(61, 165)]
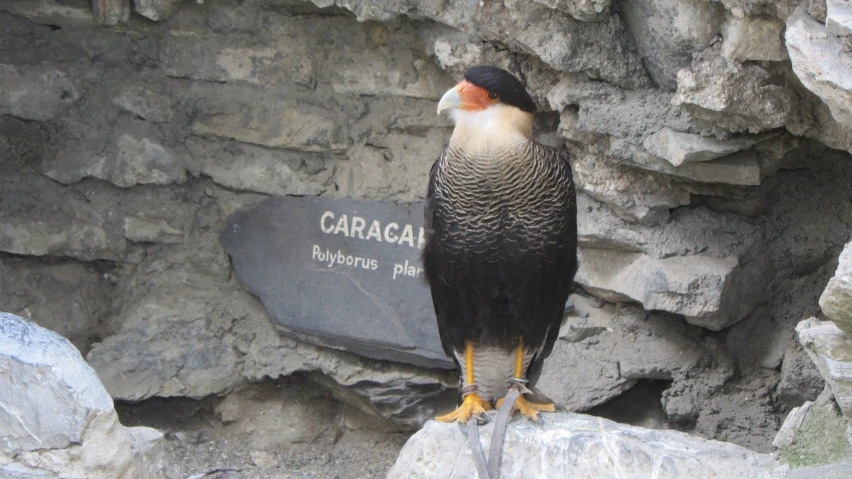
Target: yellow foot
[(529, 409), (472, 405)]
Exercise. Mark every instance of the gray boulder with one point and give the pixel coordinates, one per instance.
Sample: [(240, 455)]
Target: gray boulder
[(822, 61), (831, 351), (575, 445), (836, 300), (57, 419)]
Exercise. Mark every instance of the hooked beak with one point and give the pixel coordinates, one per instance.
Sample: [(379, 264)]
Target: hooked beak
[(451, 99)]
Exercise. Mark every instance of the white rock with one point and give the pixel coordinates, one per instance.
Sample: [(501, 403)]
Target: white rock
[(838, 16), (831, 351), (787, 432), (574, 445), (677, 147), (753, 38), (57, 420), (822, 61)]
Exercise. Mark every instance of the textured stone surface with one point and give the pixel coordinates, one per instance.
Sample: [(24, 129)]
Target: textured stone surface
[(131, 160), (738, 98), (667, 32), (213, 337), (155, 9), (639, 196), (313, 261), (670, 268), (819, 438), (822, 61), (45, 221), (753, 38), (831, 351), (36, 92), (55, 410), (678, 148), (838, 16), (836, 300), (583, 446), (598, 49)]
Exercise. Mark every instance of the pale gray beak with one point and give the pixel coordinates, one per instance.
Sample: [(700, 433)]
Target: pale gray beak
[(450, 100)]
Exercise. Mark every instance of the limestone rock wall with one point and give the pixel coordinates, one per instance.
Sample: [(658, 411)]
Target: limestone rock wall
[(710, 142)]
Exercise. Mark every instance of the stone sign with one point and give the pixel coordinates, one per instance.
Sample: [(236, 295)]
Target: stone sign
[(344, 274)]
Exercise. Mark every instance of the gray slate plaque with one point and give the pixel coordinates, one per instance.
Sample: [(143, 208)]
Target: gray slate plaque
[(340, 273)]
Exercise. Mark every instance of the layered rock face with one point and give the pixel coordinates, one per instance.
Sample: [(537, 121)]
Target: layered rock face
[(710, 144)]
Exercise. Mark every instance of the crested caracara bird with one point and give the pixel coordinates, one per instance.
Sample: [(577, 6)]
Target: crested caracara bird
[(501, 244)]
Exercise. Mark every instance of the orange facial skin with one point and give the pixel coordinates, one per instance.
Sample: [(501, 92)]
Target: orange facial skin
[(474, 98)]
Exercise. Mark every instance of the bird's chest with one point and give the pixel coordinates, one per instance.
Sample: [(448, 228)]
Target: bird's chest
[(491, 198)]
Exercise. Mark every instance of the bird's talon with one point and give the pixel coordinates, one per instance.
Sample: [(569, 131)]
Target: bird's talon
[(473, 405), (529, 409)]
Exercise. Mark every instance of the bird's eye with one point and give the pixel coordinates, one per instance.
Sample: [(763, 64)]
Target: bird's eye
[(493, 96)]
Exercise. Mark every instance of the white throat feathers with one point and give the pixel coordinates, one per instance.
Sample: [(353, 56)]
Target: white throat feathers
[(495, 128)]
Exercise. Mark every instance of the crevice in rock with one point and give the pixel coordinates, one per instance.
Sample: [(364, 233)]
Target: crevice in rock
[(641, 405)]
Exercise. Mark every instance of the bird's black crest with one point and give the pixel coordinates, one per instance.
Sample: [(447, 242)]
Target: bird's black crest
[(511, 90)]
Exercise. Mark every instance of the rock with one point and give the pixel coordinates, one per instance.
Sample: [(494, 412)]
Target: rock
[(590, 345), (637, 195), (142, 230), (667, 32), (838, 16), (817, 9), (831, 351), (263, 459), (834, 471), (40, 92), (131, 160), (111, 12), (246, 167), (58, 420), (800, 380), (734, 97), (821, 437), (599, 49), (263, 421), (753, 38), (321, 259), (822, 61), (836, 300), (583, 10), (70, 298), (155, 9), (678, 147), (668, 268), (145, 103), (793, 422), (289, 125), (47, 220), (184, 330), (574, 445), (636, 115), (742, 168)]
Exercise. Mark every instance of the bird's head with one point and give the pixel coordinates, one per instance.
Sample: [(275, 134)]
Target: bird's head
[(491, 101)]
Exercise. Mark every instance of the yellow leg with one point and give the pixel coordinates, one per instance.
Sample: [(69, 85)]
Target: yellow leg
[(473, 404), (527, 408)]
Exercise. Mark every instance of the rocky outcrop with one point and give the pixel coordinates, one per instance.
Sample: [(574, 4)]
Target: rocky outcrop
[(57, 419), (575, 445), (693, 132), (836, 300), (823, 63), (831, 351)]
